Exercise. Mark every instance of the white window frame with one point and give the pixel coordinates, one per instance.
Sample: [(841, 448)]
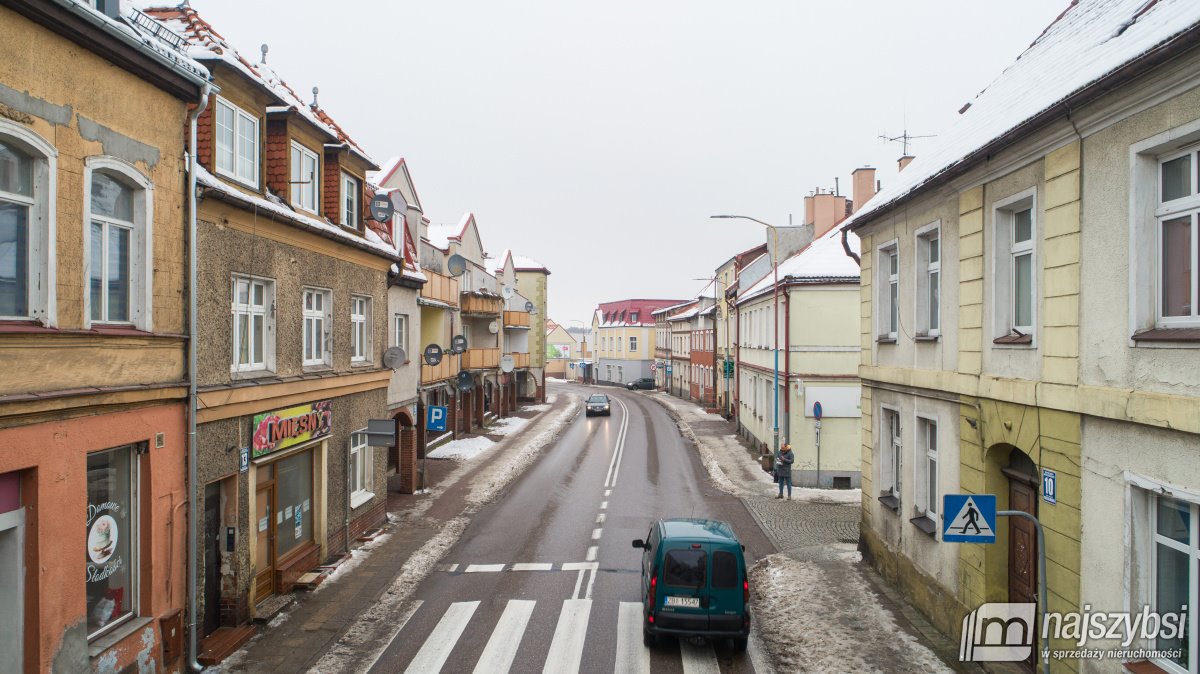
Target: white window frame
[(360, 328), (310, 325), (141, 246), (1192, 550), (633, 344), (924, 270), (891, 451), (1188, 206), (1145, 214), (1006, 251), (240, 117), (926, 452), (888, 294), (400, 332), (267, 311), (352, 190), (296, 158), (633, 317), (41, 300), (361, 479)]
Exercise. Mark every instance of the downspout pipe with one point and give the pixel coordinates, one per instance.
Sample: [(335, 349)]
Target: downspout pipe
[(193, 521)]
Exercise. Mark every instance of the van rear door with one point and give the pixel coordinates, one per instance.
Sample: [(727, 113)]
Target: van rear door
[(684, 593), (726, 604)]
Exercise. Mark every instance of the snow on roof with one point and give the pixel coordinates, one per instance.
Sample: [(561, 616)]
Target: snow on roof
[(690, 313), (822, 260), (440, 235), (386, 169), (1088, 41), (151, 43), (504, 254), (205, 43), (277, 207), (671, 308), (524, 263)]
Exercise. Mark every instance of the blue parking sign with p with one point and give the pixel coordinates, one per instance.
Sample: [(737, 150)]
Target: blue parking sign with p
[(435, 418), (969, 518)]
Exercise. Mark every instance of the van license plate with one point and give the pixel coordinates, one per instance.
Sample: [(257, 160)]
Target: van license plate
[(686, 602)]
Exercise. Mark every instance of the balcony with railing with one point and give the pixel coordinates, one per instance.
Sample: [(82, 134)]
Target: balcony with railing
[(520, 359), (479, 359), (481, 305), (440, 288), (516, 319), (446, 369)]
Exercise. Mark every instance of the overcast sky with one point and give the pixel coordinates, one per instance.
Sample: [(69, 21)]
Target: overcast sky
[(597, 137)]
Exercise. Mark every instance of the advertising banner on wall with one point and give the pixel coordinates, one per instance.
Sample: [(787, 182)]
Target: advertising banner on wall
[(285, 428)]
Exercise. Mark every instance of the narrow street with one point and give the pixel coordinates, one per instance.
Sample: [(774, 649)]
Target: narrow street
[(545, 578)]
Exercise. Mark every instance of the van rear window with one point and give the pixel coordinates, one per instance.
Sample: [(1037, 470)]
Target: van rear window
[(725, 570), (685, 568)]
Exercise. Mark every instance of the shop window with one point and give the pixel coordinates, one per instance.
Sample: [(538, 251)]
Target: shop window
[(237, 143), (293, 514), (317, 319), (361, 469), (360, 328), (27, 169), (253, 305), (117, 240), (111, 561)]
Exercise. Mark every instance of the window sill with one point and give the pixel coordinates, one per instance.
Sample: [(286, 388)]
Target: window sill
[(885, 340), (319, 367), (1014, 340), (926, 338), (363, 363), (1167, 335), (890, 502), (242, 375), (358, 498), (95, 648), (926, 525)]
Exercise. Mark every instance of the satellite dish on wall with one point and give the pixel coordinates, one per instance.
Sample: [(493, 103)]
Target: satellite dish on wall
[(508, 292), (465, 381), (456, 265), (433, 354), (507, 363), (394, 357), (494, 327), (458, 344), (529, 308)]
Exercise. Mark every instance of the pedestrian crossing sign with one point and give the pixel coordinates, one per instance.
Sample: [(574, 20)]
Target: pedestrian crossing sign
[(969, 518)]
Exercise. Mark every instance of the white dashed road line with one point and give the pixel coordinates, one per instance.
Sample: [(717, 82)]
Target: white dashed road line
[(484, 568)]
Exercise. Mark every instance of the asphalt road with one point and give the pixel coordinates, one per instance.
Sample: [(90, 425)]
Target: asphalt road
[(545, 578)]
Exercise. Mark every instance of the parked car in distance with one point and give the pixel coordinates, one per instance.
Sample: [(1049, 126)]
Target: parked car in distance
[(597, 403), (694, 582), (645, 383)]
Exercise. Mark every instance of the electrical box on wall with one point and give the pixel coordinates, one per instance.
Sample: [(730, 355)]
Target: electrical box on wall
[(160, 439)]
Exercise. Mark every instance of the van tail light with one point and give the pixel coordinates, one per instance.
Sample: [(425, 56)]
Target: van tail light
[(746, 591), (653, 593)]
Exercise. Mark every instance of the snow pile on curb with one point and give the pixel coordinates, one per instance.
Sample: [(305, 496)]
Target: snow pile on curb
[(465, 449), (507, 426), (357, 556), (515, 461), (824, 617)]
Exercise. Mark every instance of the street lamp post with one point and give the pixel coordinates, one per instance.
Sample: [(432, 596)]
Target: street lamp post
[(775, 336)]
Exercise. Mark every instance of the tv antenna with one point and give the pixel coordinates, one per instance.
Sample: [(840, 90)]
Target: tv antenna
[(904, 139)]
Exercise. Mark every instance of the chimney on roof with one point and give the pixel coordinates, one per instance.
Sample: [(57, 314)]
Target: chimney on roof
[(864, 186), (823, 211), (904, 161)]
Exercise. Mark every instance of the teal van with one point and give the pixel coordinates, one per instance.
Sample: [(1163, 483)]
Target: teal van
[(694, 582)]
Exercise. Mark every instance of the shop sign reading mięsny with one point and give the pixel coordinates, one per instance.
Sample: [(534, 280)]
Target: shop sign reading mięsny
[(285, 428)]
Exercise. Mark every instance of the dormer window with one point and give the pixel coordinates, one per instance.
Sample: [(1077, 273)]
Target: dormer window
[(237, 143), (351, 189), (304, 178)]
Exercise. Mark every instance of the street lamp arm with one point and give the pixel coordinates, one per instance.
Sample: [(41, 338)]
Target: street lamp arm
[(741, 217)]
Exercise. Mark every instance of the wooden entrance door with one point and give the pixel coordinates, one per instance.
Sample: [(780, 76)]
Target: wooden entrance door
[(264, 514), (1022, 547)]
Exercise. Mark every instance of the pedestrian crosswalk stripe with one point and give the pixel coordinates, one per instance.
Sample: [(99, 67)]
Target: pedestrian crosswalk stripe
[(632, 656), (501, 648), (441, 641), (477, 568), (698, 659), (566, 648)]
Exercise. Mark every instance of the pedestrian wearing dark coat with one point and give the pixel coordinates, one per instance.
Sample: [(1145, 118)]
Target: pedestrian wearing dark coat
[(783, 469)]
